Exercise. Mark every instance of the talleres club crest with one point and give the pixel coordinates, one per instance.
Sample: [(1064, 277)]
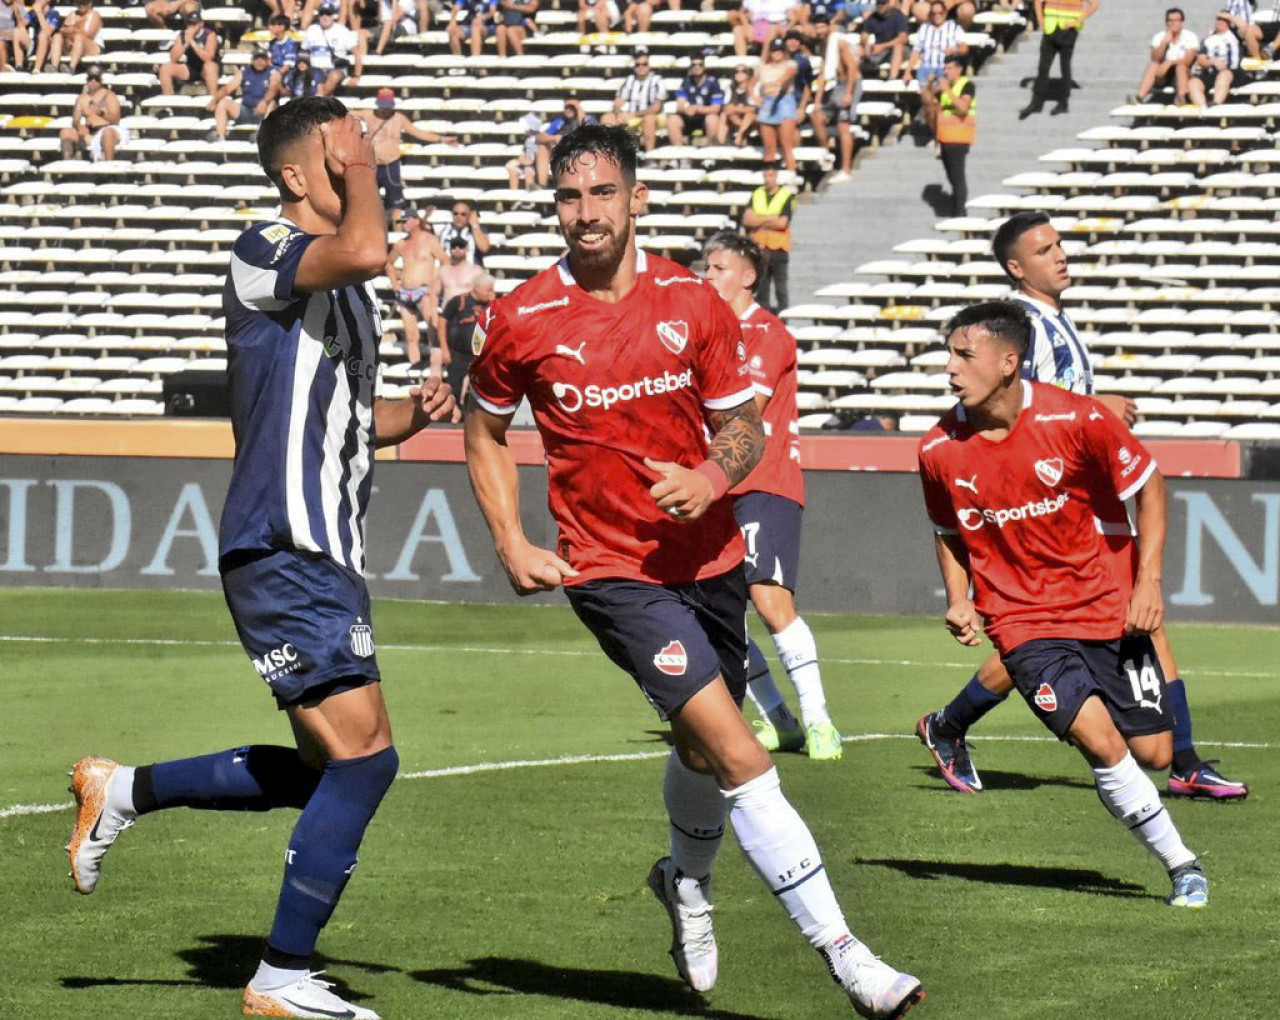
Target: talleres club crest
[(1049, 471), (674, 335)]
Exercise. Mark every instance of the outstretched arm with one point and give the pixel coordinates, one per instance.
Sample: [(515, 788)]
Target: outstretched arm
[(495, 480), (396, 420)]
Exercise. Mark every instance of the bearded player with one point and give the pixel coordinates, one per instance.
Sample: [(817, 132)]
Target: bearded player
[(1029, 249), (768, 505), (629, 363), (1025, 484)]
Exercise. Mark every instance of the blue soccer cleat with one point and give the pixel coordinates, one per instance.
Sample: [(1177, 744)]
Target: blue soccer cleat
[(950, 754), (1190, 887)]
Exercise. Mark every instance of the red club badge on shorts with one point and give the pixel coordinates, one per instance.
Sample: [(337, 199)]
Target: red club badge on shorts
[(672, 659), (674, 335), (1045, 699)]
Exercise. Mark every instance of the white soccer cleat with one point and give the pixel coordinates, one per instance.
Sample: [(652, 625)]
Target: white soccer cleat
[(306, 997), (875, 989), (693, 941), (102, 813)]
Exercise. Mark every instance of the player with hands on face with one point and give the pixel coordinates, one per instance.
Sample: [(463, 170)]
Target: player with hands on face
[(302, 330), (630, 363), (1025, 484)]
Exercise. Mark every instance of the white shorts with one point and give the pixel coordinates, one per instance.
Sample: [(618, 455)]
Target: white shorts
[(95, 143)]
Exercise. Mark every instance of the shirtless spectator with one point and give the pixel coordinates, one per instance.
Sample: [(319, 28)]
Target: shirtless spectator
[(242, 99), (758, 22), (740, 108), (414, 282), (336, 50), (884, 39), (95, 121), (837, 92), (387, 127), (470, 19), (457, 276), (76, 36), (1172, 52), (161, 13), (13, 34), (194, 56), (459, 315)]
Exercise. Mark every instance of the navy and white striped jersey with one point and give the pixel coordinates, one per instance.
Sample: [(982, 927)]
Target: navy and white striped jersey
[(933, 41), (1057, 355), (1222, 46), (301, 368), (1242, 9)]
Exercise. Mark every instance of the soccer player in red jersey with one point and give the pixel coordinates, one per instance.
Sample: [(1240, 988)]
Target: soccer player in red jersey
[(768, 505), (1025, 484), (629, 363)]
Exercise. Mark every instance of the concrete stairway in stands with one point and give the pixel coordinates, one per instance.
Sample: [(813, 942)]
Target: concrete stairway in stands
[(860, 220)]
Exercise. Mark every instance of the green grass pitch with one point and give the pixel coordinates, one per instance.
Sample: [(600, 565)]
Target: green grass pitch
[(518, 892)]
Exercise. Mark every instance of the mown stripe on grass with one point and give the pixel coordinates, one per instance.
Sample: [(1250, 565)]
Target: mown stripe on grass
[(575, 652), (18, 810)]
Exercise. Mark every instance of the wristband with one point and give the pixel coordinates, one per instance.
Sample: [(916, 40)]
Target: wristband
[(350, 165), (714, 473)]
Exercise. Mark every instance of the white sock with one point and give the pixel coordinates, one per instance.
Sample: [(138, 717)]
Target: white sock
[(764, 692), (696, 808), (269, 978), (799, 654), (781, 849), (1132, 798)]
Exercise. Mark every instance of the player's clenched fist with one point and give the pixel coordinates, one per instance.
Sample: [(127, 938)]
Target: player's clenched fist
[(436, 400), (530, 569), (345, 143), (682, 492), (964, 623)]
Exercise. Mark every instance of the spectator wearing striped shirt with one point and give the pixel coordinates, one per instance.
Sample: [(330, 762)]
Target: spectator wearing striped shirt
[(1172, 52), (936, 40), (1239, 15), (639, 101), (1061, 22), (1216, 64)]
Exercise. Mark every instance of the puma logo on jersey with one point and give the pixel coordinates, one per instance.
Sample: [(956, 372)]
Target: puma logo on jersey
[(569, 352), (971, 484), (1095, 415)]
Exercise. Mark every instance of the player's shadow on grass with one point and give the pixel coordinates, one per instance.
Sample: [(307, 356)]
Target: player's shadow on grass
[(993, 779), (495, 975), (1035, 876), (228, 961), (657, 737)]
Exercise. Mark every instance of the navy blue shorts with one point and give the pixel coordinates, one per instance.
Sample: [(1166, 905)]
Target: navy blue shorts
[(673, 639), (771, 530), (1056, 675), (305, 623)]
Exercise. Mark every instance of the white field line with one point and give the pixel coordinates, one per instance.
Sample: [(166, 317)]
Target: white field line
[(17, 810), (573, 652)]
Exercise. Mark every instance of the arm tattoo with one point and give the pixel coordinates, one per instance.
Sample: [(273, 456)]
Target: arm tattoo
[(738, 441)]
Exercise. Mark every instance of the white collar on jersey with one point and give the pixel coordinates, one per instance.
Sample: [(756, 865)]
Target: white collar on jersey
[(1026, 401), (566, 277), (1043, 307), (747, 312)]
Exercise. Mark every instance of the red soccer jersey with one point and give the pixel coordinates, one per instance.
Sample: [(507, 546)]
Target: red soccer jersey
[(771, 357), (1041, 514), (611, 384)]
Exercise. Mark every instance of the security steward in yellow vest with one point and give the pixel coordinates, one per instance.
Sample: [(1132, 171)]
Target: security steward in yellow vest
[(957, 127), (768, 221), (1061, 22)]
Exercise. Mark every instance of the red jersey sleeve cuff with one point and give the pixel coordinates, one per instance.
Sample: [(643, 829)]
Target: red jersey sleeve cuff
[(491, 407), (1139, 482), (733, 400)]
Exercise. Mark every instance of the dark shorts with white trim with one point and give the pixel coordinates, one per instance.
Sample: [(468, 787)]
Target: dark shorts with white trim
[(304, 621), (1057, 675), (672, 639), (770, 527)]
